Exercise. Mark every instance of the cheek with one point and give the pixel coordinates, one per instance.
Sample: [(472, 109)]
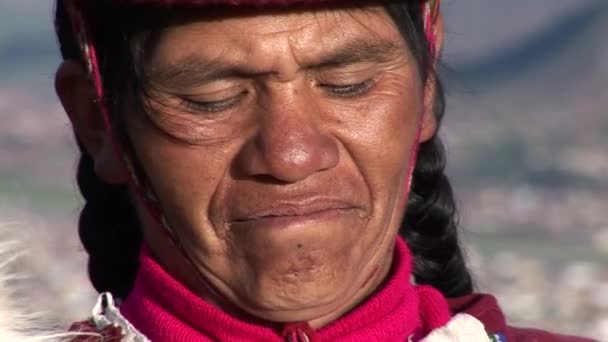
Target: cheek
[(184, 178), (380, 136), (380, 140)]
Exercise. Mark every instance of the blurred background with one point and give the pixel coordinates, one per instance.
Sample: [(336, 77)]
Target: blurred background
[(527, 135)]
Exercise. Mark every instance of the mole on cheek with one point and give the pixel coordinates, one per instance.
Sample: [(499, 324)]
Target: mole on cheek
[(300, 246)]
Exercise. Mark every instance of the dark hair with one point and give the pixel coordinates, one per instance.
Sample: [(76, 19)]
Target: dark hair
[(109, 228)]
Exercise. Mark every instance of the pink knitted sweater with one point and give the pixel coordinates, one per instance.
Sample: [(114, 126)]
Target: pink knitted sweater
[(164, 310)]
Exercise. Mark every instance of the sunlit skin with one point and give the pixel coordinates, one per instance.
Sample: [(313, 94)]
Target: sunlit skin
[(280, 156)]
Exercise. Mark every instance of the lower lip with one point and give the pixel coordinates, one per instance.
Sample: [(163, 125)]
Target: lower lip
[(285, 222)]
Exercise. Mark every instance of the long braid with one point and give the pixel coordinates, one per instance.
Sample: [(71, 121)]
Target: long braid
[(108, 227), (430, 225), (109, 231)]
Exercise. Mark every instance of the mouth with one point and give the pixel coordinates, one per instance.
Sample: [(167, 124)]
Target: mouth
[(287, 214)]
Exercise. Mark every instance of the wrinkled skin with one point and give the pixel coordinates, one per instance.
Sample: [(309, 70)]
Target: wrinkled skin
[(283, 175)]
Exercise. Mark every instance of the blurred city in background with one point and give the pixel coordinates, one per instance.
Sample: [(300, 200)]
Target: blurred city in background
[(527, 135)]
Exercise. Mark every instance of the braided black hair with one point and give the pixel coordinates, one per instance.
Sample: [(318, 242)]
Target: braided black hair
[(109, 232), (430, 226), (109, 228)]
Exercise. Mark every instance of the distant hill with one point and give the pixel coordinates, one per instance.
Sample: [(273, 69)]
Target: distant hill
[(565, 49)]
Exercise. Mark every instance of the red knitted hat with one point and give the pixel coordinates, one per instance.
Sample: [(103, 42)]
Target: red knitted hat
[(225, 2), (166, 3), (431, 7)]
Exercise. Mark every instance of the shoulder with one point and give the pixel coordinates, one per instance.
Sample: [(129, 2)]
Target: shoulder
[(486, 309), (533, 335)]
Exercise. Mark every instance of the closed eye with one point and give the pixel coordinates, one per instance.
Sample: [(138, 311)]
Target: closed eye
[(347, 90), (212, 106)]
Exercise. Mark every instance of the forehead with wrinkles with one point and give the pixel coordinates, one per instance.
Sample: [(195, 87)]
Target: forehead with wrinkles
[(277, 41)]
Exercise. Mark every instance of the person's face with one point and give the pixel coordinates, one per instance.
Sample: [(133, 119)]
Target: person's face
[(279, 145)]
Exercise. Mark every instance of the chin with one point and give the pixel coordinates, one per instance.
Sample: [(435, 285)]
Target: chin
[(303, 287)]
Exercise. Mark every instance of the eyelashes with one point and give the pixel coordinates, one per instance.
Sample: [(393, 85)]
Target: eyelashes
[(348, 90), (341, 91), (211, 107)]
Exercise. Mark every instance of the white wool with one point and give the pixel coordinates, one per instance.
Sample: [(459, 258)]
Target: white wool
[(105, 313), (461, 328), (17, 323)]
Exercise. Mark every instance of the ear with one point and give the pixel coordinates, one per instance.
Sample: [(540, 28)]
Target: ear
[(78, 98), (429, 121)]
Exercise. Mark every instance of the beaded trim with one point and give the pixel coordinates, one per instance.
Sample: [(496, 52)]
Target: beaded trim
[(105, 313)]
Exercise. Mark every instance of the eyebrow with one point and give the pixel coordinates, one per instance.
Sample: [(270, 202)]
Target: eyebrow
[(194, 69), (359, 51)]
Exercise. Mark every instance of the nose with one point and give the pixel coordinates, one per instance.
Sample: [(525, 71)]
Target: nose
[(290, 144)]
